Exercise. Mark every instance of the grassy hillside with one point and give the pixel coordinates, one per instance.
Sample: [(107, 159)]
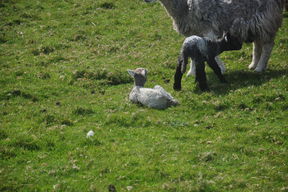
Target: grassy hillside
[(63, 72)]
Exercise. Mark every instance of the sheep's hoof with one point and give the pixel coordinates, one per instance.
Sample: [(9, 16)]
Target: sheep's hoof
[(191, 73), (252, 66), (204, 88), (259, 69), (177, 87)]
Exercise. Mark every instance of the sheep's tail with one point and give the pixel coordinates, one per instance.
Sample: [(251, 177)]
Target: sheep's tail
[(263, 25)]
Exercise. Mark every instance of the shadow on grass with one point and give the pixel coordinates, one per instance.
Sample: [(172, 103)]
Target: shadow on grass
[(240, 79)]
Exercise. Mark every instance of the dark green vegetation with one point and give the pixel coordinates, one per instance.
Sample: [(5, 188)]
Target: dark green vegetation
[(63, 72)]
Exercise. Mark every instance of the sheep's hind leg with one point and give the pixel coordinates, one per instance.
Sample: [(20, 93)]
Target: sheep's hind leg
[(220, 64), (257, 50), (265, 55)]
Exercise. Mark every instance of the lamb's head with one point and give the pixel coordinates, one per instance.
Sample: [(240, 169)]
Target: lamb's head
[(231, 42), (139, 75)]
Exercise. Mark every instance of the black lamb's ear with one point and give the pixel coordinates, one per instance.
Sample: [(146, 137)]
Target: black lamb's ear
[(131, 72), (227, 36)]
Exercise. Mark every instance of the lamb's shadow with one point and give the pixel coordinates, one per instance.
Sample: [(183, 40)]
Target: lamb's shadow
[(240, 79)]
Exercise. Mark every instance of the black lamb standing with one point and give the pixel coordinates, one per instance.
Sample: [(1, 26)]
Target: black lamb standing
[(201, 49)]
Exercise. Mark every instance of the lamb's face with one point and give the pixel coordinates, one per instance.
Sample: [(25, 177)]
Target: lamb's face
[(141, 71), (139, 75)]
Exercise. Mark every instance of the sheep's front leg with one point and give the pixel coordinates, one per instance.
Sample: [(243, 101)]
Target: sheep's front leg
[(201, 75), (192, 70), (265, 55), (220, 64), (213, 64), (257, 50), (178, 75)]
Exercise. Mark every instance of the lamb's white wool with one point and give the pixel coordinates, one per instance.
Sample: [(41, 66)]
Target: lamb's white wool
[(155, 97), (253, 20)]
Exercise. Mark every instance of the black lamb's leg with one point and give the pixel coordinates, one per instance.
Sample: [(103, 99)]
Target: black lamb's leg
[(201, 75), (178, 75), (213, 64)]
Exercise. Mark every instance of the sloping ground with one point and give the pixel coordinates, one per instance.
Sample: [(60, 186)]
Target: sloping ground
[(63, 72)]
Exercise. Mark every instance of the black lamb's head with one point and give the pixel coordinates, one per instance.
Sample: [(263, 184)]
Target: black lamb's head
[(232, 42)]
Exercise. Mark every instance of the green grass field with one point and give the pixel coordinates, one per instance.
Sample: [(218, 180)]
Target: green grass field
[(63, 72)]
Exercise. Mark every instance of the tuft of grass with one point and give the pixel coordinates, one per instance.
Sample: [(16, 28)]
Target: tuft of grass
[(107, 5), (3, 134), (83, 111), (105, 77), (26, 144), (18, 93)]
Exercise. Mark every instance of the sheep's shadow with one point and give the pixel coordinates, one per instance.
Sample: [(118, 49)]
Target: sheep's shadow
[(240, 79)]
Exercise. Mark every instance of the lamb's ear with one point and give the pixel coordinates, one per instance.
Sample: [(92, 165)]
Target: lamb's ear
[(131, 72)]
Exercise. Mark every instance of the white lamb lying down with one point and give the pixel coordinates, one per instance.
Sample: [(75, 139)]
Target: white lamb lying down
[(155, 97)]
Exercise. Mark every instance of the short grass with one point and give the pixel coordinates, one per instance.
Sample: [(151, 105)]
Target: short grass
[(63, 73)]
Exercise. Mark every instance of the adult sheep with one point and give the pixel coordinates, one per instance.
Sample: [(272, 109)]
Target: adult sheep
[(254, 21)]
